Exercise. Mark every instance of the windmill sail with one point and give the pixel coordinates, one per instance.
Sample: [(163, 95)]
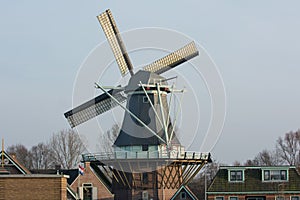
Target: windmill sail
[(173, 59), (94, 107), (112, 34)]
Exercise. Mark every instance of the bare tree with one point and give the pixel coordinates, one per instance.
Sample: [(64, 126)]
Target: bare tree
[(268, 158), (41, 156), (21, 153), (108, 138), (250, 162), (287, 151), (205, 177), (66, 147), (237, 163), (265, 158), (289, 148)]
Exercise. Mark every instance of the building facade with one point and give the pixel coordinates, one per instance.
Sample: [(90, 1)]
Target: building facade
[(16, 182), (255, 183), (92, 184)]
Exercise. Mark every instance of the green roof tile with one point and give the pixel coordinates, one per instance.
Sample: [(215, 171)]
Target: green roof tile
[(253, 182)]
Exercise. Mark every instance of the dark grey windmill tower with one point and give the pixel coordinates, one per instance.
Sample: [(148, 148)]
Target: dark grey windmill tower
[(148, 160)]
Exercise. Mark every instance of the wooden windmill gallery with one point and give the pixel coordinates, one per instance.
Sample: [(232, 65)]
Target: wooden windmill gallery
[(148, 161)]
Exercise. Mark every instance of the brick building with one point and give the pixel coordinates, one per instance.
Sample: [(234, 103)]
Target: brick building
[(255, 183), (46, 187), (16, 182), (92, 185)]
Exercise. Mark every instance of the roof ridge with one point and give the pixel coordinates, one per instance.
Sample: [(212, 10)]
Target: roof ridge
[(108, 187), (14, 160)]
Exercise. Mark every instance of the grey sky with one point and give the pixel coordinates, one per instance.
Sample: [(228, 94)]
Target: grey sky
[(255, 45)]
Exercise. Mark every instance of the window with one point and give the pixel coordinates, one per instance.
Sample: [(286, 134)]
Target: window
[(295, 198), (182, 195), (145, 195), (145, 147), (275, 175), (135, 148), (279, 198), (87, 191), (236, 175), (283, 175), (145, 178), (145, 100), (233, 198), (256, 198), (219, 198), (267, 175)]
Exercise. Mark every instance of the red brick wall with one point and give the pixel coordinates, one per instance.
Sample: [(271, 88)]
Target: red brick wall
[(33, 187), (171, 175), (90, 177)]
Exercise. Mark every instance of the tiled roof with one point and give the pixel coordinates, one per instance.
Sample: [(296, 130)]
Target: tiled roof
[(187, 190), (101, 176), (72, 173), (13, 166), (253, 182)]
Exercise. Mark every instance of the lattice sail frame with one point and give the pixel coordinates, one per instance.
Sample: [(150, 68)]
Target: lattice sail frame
[(112, 34), (173, 59), (93, 108)]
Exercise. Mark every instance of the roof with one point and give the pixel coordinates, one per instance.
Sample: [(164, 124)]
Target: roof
[(34, 176), (71, 194), (132, 134), (145, 77), (187, 190), (72, 173), (253, 180), (12, 165), (103, 178)]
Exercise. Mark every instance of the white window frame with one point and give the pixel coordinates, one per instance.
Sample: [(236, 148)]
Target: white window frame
[(275, 180), (216, 197), (256, 198), (86, 185), (279, 197), (236, 198), (291, 197), (236, 170), (145, 195)]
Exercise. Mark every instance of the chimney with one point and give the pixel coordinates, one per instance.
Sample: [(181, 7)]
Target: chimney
[(58, 167)]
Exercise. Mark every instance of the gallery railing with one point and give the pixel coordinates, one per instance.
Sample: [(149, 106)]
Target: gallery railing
[(145, 155)]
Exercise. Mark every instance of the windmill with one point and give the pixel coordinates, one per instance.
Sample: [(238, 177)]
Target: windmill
[(147, 134)]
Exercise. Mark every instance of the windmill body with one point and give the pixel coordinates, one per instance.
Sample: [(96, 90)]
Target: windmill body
[(148, 160), (148, 108)]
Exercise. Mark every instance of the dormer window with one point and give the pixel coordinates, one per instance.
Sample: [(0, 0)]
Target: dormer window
[(275, 175), (236, 175)]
